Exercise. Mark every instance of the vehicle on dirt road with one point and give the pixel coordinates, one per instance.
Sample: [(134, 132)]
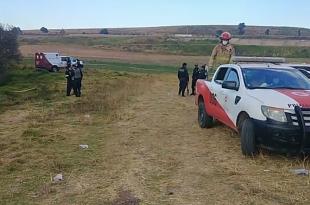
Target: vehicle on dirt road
[(267, 104), (53, 62)]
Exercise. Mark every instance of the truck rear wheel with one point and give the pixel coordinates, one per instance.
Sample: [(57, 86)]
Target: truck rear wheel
[(205, 120), (54, 69), (248, 141)]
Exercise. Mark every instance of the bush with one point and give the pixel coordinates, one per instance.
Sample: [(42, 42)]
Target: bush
[(44, 30), (9, 53), (218, 33), (104, 31), (62, 32), (241, 28), (17, 30)]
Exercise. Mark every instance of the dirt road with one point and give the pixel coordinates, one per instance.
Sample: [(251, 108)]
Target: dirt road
[(157, 152), (113, 55)]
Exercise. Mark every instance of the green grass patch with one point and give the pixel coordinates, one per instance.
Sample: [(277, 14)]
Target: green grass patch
[(29, 85), (118, 66), (129, 67)]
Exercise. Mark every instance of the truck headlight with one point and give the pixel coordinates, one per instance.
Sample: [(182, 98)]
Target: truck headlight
[(276, 114)]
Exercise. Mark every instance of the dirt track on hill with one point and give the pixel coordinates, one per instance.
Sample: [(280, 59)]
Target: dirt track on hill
[(131, 57)]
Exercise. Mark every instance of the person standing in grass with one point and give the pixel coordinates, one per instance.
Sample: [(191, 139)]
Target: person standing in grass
[(194, 79), (78, 77), (69, 74), (202, 73), (183, 79), (221, 54)]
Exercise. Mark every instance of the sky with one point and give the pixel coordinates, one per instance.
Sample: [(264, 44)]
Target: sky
[(33, 14)]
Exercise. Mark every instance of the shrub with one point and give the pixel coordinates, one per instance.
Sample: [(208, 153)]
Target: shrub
[(241, 28), (104, 31), (62, 32), (44, 30), (218, 33), (9, 53)]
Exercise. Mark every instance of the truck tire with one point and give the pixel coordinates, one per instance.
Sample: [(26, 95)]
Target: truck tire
[(248, 141), (54, 69), (204, 120)]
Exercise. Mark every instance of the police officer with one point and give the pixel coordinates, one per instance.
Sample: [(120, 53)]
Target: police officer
[(183, 79), (80, 64), (202, 72), (69, 74), (221, 54), (194, 79), (78, 76)]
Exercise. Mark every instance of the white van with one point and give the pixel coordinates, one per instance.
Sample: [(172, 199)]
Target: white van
[(50, 61)]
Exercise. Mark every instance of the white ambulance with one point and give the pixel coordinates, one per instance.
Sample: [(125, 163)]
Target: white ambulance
[(52, 62)]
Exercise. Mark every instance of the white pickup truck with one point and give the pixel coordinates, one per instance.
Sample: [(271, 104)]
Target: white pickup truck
[(266, 103)]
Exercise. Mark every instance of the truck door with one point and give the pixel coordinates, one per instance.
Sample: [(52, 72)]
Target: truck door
[(232, 98), (217, 96)]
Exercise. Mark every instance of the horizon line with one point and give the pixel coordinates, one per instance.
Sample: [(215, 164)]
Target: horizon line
[(163, 26)]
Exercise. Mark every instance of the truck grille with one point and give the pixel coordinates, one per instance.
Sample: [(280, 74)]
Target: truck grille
[(305, 115)]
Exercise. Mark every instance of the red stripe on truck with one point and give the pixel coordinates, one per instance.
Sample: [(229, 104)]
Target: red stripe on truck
[(302, 97), (212, 106)]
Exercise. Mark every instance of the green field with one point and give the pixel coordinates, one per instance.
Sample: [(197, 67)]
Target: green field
[(26, 84)]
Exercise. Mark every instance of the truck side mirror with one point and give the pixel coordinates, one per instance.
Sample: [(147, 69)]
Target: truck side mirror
[(230, 85)]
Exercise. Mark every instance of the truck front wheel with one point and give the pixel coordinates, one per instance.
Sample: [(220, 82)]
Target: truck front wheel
[(205, 120), (248, 141)]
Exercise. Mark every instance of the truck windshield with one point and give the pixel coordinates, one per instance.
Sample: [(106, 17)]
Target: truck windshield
[(268, 78)]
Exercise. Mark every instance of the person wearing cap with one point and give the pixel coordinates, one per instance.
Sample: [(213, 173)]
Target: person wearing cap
[(183, 79), (194, 79), (221, 54)]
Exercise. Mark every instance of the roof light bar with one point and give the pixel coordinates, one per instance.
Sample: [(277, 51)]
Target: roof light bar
[(242, 59)]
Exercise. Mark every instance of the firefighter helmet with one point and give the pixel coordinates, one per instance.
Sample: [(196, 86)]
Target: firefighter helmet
[(225, 36)]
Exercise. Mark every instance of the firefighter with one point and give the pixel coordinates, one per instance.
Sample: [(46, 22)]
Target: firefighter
[(221, 54), (78, 77), (69, 74), (202, 72), (183, 79), (194, 79)]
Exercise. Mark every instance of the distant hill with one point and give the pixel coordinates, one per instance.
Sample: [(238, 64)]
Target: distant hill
[(197, 30)]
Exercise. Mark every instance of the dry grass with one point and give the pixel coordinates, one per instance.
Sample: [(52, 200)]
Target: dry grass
[(145, 147), (40, 140)]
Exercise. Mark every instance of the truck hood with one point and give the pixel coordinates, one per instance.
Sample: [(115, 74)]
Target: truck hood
[(282, 98)]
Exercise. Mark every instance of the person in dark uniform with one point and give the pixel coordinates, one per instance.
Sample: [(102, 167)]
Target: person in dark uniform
[(80, 64), (203, 73), (69, 74), (78, 76), (194, 79), (183, 79)]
